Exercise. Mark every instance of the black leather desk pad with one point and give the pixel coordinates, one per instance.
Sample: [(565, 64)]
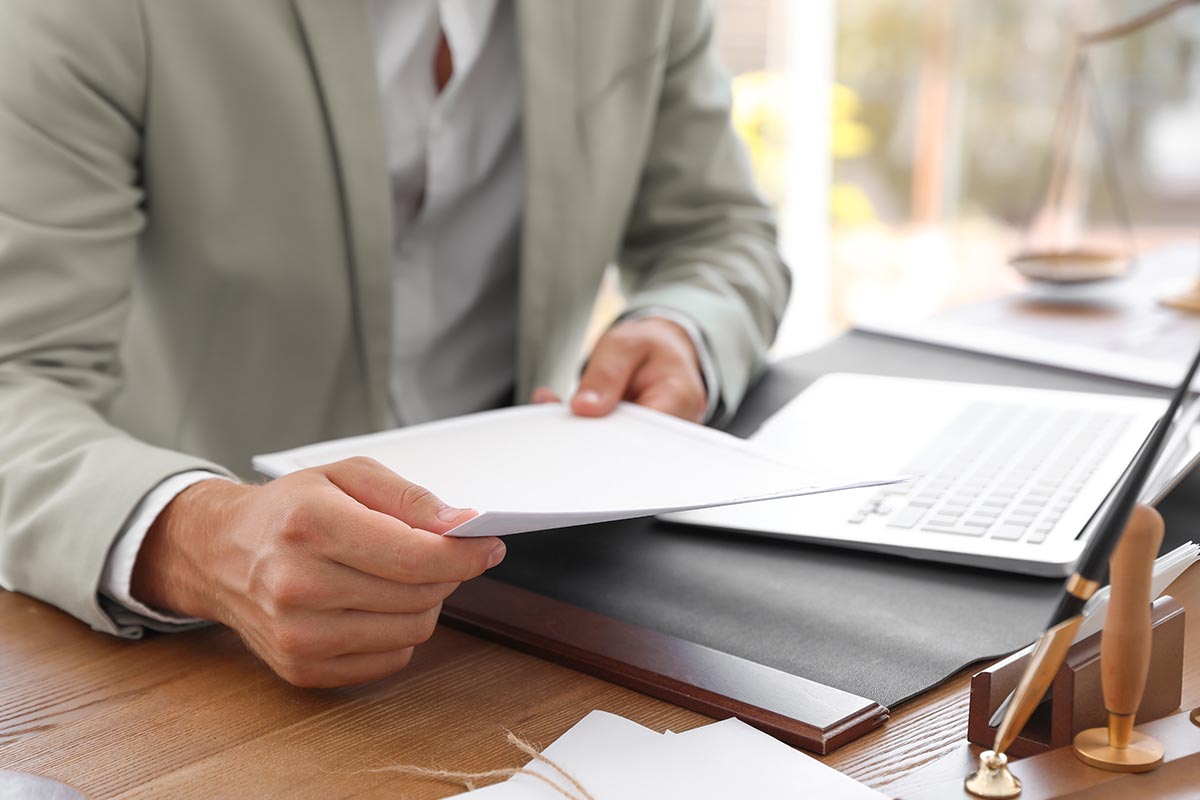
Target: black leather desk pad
[(882, 627)]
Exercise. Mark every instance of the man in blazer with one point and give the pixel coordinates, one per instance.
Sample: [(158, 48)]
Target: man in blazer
[(233, 227)]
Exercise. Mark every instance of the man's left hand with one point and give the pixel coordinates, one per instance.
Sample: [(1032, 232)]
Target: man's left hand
[(649, 361)]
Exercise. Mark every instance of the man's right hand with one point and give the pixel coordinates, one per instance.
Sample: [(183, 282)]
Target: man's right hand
[(331, 575)]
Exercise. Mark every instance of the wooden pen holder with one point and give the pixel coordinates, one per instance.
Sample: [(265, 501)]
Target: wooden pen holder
[(1076, 700)]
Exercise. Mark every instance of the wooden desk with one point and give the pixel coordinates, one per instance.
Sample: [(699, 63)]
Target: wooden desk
[(194, 715)]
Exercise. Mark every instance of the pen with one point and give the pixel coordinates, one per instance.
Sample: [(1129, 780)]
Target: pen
[(1052, 646)]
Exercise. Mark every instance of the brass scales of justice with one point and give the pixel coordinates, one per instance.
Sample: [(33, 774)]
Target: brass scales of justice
[(1059, 257), (1131, 534)]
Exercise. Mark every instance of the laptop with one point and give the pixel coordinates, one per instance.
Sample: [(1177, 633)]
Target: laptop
[(1005, 478)]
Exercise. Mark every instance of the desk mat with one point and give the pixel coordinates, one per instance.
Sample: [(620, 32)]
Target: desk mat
[(880, 627)]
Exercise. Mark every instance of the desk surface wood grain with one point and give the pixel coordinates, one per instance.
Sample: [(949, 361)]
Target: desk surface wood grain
[(195, 716)]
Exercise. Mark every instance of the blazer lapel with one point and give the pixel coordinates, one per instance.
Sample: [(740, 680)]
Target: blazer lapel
[(545, 41), (342, 55)]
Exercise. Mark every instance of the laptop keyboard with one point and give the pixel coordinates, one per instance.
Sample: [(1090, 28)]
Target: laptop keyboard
[(1002, 471)]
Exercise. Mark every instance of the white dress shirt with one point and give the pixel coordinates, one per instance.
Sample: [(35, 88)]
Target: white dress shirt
[(456, 167), (456, 170)]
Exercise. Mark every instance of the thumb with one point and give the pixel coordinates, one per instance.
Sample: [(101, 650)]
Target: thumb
[(381, 489), (606, 378)]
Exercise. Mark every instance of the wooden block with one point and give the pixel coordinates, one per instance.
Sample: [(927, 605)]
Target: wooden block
[(795, 710), (1076, 697)]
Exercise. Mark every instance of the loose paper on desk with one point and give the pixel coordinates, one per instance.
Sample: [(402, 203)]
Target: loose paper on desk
[(540, 467), (1114, 328), (612, 758)]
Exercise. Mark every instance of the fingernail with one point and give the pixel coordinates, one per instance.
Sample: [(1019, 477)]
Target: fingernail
[(449, 513), (590, 396), (497, 555)]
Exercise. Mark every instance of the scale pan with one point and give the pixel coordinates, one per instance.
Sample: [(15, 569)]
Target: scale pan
[(1070, 266)]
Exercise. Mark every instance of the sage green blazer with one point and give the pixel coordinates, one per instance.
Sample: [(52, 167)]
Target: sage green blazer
[(195, 235)]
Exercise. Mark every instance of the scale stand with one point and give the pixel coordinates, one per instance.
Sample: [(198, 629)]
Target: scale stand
[(1057, 261)]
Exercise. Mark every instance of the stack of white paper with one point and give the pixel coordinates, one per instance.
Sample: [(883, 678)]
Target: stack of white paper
[(539, 467), (1116, 328), (615, 759), (1167, 568)]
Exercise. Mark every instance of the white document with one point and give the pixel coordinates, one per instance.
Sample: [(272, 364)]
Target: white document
[(1115, 328), (539, 467), (615, 759), (1167, 568)]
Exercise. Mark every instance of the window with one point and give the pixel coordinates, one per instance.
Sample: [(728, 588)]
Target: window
[(907, 143)]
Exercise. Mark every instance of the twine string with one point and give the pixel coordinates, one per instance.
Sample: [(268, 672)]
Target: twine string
[(531, 751), (470, 780)]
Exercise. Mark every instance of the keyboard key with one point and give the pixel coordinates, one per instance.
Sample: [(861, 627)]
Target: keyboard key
[(1009, 532), (932, 528), (906, 517)]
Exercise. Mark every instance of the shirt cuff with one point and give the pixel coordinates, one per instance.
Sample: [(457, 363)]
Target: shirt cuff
[(118, 567), (708, 367)]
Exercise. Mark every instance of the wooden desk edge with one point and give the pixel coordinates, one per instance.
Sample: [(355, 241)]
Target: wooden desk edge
[(795, 710)]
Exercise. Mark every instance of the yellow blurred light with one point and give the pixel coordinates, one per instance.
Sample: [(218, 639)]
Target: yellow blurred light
[(760, 118), (849, 205)]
